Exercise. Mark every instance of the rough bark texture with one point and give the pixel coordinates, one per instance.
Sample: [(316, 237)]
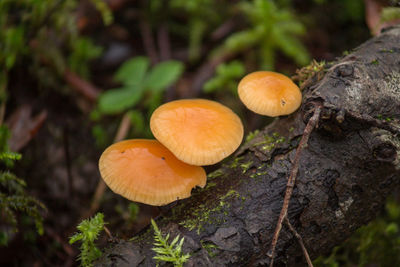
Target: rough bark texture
[(351, 164)]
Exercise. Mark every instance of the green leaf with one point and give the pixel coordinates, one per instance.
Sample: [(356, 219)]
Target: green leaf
[(163, 75), (117, 100), (132, 71)]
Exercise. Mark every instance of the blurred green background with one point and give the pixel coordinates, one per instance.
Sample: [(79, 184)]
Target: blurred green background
[(77, 75)]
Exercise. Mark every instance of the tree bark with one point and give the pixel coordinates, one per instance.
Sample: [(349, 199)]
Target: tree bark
[(351, 163)]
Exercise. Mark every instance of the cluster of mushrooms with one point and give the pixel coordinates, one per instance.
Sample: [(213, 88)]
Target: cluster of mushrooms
[(190, 133)]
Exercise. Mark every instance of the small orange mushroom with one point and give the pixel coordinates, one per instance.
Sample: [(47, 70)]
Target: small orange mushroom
[(197, 131), (269, 93), (145, 171)]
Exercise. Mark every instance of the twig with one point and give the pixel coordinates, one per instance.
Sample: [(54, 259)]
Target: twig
[(68, 161), (68, 249), (3, 90), (83, 87), (223, 30), (292, 179), (108, 232), (101, 186), (164, 44), (2, 111), (205, 72), (23, 126), (300, 240), (148, 41)]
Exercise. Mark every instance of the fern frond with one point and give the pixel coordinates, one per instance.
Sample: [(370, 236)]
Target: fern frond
[(168, 252)]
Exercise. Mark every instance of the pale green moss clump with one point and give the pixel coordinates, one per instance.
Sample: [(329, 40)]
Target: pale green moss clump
[(270, 142), (203, 215)]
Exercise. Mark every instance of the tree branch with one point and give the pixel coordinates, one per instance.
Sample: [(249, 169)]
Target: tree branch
[(344, 175)]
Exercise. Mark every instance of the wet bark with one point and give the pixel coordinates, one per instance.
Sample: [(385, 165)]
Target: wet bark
[(351, 163)]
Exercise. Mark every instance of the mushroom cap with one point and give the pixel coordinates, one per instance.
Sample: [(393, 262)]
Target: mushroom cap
[(197, 131), (145, 171), (269, 93)]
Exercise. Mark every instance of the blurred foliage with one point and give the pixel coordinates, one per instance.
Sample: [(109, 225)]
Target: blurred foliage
[(226, 78), (377, 243), (44, 34), (129, 213), (14, 200), (271, 29), (390, 13), (89, 231), (202, 15), (270, 26), (350, 10), (141, 91)]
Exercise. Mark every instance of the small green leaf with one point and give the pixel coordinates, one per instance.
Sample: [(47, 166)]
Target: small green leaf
[(132, 71), (163, 75), (117, 100)]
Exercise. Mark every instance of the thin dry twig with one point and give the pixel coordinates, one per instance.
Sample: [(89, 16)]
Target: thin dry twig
[(23, 126), (292, 179), (164, 43), (300, 240), (68, 249), (67, 155), (2, 111), (148, 41), (83, 87), (101, 186), (108, 232)]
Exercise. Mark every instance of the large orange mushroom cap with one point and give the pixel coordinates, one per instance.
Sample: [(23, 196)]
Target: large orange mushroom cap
[(145, 171), (269, 93), (197, 131)]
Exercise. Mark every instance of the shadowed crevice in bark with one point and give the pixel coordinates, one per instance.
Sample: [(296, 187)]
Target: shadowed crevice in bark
[(351, 164)]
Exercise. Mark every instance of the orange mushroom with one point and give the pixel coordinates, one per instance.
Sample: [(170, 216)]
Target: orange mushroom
[(269, 93), (197, 131), (145, 171)]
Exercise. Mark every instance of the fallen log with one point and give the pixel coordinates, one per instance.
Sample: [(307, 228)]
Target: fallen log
[(350, 166)]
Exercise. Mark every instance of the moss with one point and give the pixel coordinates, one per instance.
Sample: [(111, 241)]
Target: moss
[(270, 142), (251, 135), (386, 50), (211, 248), (258, 175), (309, 71), (235, 162), (215, 174), (210, 185), (374, 62), (141, 237), (246, 166), (203, 215)]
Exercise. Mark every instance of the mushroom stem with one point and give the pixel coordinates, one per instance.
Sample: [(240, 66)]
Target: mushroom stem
[(292, 179)]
